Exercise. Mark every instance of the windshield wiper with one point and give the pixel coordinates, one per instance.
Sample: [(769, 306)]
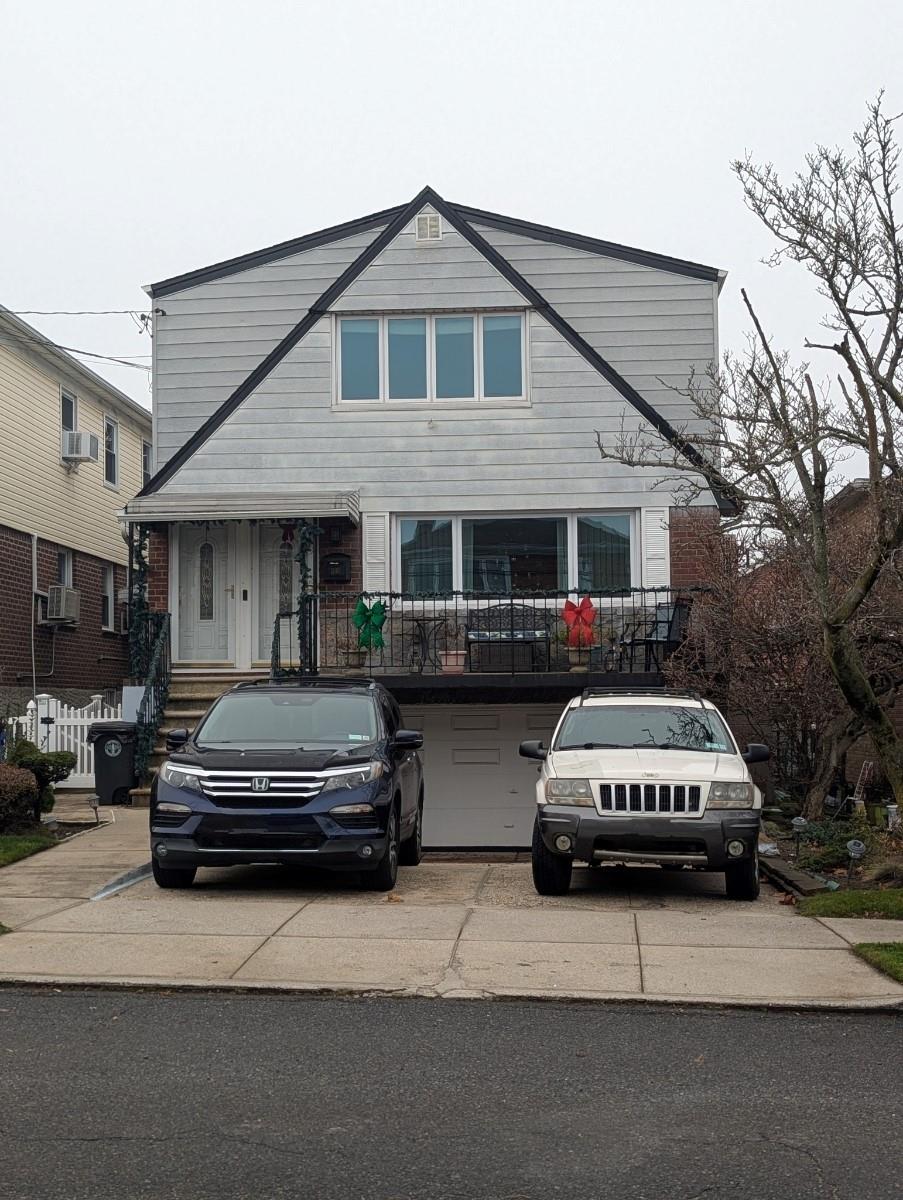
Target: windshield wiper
[(593, 746), (663, 746)]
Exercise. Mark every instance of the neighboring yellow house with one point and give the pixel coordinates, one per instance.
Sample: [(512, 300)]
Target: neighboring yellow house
[(74, 449)]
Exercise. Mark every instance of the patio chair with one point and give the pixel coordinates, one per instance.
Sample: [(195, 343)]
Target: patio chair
[(509, 638)]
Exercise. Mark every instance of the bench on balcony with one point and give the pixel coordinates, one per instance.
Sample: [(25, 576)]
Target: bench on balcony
[(509, 638)]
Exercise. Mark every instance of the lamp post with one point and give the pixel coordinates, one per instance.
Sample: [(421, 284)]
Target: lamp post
[(799, 824), (856, 850)]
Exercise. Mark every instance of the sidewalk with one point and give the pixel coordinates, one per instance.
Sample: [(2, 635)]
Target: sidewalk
[(450, 929)]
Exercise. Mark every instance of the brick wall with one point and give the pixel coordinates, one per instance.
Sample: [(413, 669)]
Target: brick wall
[(158, 569), (84, 655), (350, 544), (693, 533)]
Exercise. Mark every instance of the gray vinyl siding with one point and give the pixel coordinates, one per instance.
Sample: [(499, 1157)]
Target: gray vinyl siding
[(653, 326), (441, 275), (479, 458), (210, 337)]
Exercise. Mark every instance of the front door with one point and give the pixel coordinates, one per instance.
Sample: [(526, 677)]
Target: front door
[(206, 593), (278, 579)]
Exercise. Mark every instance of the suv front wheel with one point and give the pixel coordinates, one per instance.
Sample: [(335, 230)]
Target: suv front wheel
[(173, 877), (382, 877), (551, 872), (741, 879)]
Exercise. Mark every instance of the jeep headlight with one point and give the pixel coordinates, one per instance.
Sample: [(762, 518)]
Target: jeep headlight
[(353, 779), (569, 791), (180, 777), (730, 795)]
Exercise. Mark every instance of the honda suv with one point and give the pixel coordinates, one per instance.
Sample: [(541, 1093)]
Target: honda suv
[(645, 778), (317, 772)]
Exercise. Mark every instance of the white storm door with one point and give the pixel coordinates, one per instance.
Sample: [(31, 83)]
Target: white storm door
[(206, 593), (277, 592)]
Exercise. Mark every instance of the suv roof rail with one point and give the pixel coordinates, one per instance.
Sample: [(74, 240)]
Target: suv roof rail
[(681, 693), (310, 681)]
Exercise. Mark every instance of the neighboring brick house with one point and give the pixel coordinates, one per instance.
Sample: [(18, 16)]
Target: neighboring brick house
[(425, 385), (73, 449)]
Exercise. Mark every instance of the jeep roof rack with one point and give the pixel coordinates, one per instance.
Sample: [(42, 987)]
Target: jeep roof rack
[(312, 681), (677, 693)]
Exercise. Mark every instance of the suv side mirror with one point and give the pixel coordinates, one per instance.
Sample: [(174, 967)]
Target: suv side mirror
[(533, 750), (176, 739), (756, 753), (407, 739)]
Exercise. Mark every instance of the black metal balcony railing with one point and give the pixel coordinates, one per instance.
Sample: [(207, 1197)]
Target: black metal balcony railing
[(391, 633)]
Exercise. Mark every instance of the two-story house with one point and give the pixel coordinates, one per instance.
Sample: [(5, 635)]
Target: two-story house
[(424, 387), (73, 449)]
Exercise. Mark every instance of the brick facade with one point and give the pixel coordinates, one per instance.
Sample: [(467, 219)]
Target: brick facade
[(84, 655), (692, 535), (158, 569)]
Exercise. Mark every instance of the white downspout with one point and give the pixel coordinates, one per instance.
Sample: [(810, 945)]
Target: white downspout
[(34, 591)]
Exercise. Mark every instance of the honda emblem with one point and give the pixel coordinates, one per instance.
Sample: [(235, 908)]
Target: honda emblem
[(260, 783)]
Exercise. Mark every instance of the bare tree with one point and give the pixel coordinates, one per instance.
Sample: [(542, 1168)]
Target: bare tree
[(777, 441)]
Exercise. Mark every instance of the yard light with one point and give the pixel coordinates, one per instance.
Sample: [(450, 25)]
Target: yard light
[(799, 824), (856, 850)]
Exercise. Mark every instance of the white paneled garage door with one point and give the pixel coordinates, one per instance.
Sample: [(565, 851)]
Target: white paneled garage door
[(479, 791)]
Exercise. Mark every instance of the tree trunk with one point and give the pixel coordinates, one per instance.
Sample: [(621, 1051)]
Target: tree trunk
[(847, 668)]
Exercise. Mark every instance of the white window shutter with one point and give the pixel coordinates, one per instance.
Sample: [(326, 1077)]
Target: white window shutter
[(375, 530), (656, 555)]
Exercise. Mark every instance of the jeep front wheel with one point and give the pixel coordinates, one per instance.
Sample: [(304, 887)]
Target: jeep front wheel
[(551, 872)]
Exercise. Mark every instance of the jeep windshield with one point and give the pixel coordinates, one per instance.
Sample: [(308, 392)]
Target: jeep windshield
[(644, 727), (290, 718)]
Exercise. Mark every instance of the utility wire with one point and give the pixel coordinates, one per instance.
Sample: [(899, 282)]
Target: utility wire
[(14, 338), (76, 312)]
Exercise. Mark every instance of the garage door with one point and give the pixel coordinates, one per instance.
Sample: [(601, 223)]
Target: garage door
[(479, 791)]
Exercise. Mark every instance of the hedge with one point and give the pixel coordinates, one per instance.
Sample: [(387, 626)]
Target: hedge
[(18, 798)]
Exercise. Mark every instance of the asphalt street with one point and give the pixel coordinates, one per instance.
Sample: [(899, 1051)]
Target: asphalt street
[(130, 1095)]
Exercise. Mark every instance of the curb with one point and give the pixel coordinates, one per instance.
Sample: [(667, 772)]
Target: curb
[(121, 882), (789, 878), (369, 991)]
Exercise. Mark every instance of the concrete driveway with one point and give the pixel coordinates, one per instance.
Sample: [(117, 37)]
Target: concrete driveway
[(455, 929)]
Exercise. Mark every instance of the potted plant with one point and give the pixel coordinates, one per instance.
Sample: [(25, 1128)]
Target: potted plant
[(452, 661)]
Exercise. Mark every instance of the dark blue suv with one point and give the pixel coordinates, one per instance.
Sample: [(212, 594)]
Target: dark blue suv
[(318, 773)]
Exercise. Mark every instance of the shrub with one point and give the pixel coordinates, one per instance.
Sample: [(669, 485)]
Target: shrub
[(824, 843), (18, 798), (47, 768)]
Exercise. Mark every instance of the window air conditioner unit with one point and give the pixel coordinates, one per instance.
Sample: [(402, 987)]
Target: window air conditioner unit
[(80, 447), (62, 605)]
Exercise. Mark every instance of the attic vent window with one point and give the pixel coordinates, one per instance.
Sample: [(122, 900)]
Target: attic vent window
[(429, 228)]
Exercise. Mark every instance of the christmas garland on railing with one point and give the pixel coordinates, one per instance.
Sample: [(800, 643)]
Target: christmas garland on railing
[(156, 690), (307, 537), (139, 625)]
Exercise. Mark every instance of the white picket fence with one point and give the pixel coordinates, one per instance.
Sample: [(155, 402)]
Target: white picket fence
[(52, 725)]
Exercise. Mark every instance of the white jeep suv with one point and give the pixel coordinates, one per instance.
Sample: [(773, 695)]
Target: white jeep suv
[(645, 777)]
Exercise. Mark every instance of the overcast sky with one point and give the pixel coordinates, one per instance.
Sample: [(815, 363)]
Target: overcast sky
[(142, 140)]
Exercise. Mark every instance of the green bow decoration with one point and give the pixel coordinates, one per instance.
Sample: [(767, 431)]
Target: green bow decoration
[(369, 621)]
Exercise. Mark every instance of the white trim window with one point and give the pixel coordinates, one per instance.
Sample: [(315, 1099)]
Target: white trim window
[(110, 452), (68, 411), (501, 553), (63, 566), (108, 598), (147, 463), (431, 358)]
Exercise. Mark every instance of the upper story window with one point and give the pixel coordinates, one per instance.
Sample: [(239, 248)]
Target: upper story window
[(64, 567), (68, 412), (110, 452), (474, 356), (147, 462)]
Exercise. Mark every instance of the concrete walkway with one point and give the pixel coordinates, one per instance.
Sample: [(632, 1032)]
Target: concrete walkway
[(450, 929)]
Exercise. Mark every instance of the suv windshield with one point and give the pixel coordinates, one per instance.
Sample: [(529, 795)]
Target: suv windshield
[(294, 718), (637, 726)]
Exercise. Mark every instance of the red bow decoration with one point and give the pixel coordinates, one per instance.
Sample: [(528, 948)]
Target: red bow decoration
[(579, 619)]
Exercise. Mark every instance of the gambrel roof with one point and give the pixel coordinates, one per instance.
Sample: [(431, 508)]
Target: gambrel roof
[(387, 226)]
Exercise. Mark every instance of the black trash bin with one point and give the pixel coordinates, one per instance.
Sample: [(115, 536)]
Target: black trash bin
[(114, 759)]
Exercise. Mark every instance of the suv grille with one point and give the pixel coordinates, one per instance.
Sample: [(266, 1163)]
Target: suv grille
[(236, 789), (650, 797)]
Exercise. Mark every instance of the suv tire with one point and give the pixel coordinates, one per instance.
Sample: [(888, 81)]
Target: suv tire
[(741, 879), (173, 877), (551, 872), (384, 875), (412, 848)]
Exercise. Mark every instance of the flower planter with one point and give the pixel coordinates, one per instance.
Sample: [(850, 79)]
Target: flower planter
[(354, 659), (579, 656), (452, 661)]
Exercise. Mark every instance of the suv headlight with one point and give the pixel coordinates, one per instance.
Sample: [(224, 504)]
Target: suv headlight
[(354, 779), (569, 791), (179, 777), (730, 795)]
